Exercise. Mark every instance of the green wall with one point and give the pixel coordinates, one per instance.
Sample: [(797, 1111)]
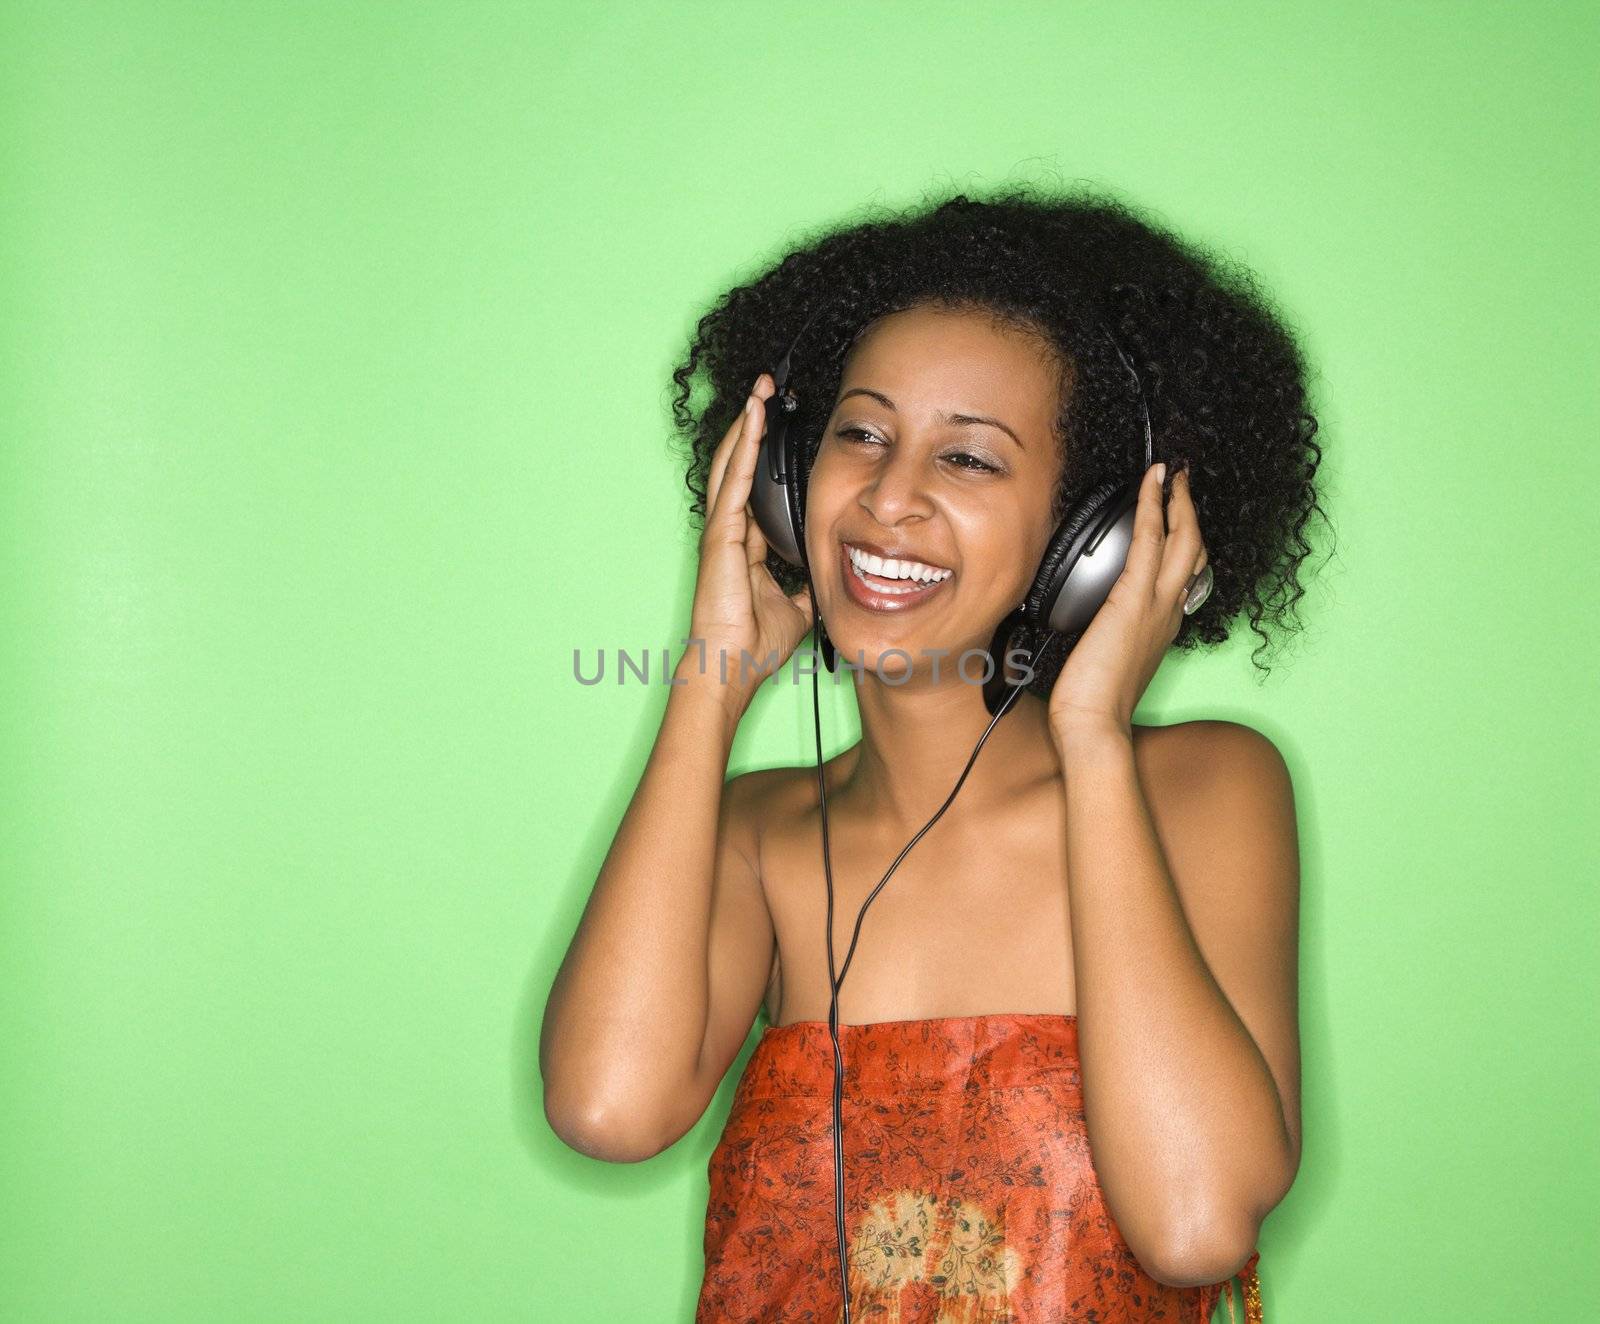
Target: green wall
[(333, 399)]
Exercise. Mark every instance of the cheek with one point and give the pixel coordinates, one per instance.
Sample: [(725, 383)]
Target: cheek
[(825, 496), (1005, 546), (829, 491), (1024, 568)]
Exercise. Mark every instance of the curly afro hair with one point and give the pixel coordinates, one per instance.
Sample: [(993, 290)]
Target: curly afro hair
[(1225, 382)]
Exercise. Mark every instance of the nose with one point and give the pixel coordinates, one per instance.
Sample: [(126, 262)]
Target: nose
[(899, 490)]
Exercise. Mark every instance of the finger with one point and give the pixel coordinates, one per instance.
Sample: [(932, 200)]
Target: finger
[(755, 542), (1184, 546), (739, 475), (1149, 536), (719, 459), (730, 439)]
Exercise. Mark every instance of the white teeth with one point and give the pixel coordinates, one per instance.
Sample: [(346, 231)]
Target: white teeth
[(878, 588), (891, 568)]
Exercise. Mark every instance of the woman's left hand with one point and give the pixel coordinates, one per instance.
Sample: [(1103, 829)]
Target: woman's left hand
[(1112, 663)]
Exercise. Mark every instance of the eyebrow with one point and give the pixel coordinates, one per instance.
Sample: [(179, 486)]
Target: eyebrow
[(888, 404)]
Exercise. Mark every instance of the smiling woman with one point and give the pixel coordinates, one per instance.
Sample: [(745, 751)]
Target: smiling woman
[(905, 476), (1070, 1052)]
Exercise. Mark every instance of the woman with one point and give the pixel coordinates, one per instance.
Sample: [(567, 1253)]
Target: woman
[(1070, 1038)]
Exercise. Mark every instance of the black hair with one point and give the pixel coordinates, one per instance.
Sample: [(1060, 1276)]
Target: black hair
[(1225, 381)]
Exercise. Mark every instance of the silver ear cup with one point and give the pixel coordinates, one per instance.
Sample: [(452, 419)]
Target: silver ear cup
[(770, 499), (1097, 557)]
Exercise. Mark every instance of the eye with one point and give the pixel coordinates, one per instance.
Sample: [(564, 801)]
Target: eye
[(856, 432), (961, 459)]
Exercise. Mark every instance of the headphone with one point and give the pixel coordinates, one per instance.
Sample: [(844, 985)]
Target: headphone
[(1085, 556)]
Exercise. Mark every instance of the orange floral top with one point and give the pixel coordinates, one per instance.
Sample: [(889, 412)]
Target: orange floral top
[(970, 1194)]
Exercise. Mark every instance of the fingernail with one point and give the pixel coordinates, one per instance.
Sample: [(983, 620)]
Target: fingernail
[(1161, 472)]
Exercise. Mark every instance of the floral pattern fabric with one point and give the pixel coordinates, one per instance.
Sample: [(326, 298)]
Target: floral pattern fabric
[(970, 1191)]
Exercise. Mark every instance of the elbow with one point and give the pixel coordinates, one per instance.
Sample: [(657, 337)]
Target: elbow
[(1207, 1251), (610, 1135), (1212, 1241)]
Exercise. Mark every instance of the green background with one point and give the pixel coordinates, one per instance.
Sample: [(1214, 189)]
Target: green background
[(333, 394)]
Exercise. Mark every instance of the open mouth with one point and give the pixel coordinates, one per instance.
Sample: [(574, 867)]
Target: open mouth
[(881, 583)]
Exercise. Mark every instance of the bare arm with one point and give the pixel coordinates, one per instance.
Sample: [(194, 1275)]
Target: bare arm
[(672, 954), (1184, 935), (666, 971)]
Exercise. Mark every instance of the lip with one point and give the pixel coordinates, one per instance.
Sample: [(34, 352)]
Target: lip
[(864, 595)]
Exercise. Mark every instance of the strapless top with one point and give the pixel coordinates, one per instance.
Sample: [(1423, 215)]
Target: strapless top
[(970, 1192)]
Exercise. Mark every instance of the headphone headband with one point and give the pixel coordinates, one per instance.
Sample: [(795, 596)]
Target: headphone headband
[(1144, 405), (780, 374)]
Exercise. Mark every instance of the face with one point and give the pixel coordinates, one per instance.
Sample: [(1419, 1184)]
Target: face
[(929, 503)]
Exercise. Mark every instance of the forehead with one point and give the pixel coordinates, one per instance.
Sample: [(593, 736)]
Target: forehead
[(964, 361)]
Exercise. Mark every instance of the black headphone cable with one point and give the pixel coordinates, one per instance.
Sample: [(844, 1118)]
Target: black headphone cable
[(836, 982)]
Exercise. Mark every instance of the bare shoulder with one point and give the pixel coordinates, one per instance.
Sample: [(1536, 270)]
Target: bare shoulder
[(746, 794), (1210, 765), (780, 794), (1222, 803), (762, 793), (763, 803)]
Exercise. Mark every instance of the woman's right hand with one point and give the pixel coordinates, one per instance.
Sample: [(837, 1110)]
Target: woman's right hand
[(738, 605)]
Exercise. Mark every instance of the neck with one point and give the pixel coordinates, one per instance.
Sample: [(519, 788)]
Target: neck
[(918, 736)]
